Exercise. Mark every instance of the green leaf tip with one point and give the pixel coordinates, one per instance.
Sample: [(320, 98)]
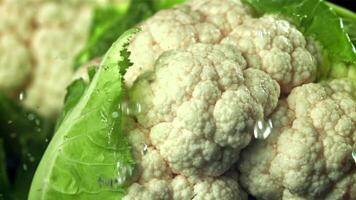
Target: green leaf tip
[(89, 156)]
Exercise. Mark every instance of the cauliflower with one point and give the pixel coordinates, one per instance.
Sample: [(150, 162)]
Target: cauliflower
[(40, 40), (267, 43), (199, 105), (202, 75), (154, 179), (308, 156), (203, 78)]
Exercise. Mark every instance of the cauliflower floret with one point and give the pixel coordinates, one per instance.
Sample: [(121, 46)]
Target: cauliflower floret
[(15, 62), (182, 188), (344, 189), (154, 179), (153, 190), (276, 47), (309, 151), (200, 105), (267, 43), (198, 21)]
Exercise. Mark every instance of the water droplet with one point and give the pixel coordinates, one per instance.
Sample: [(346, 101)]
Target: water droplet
[(31, 117), (65, 137), (354, 155), (9, 122), (38, 130), (22, 96), (37, 122), (30, 157), (130, 108), (123, 172), (262, 129), (46, 140), (115, 115), (24, 166), (145, 149)]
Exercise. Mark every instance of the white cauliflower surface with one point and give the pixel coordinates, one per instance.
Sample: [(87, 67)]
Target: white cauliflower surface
[(205, 72), (267, 43), (155, 180), (200, 103), (308, 156), (39, 40)]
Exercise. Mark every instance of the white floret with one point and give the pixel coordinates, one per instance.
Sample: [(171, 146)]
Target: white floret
[(268, 43), (198, 21), (309, 152), (200, 104), (276, 47)]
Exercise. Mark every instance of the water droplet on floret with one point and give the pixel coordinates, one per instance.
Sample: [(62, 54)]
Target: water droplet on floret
[(130, 108), (262, 129), (145, 149)]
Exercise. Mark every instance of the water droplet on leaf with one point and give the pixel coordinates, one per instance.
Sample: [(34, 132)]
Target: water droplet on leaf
[(115, 115)]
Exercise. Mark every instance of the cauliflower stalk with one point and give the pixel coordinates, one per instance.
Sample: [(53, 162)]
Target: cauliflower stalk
[(203, 73)]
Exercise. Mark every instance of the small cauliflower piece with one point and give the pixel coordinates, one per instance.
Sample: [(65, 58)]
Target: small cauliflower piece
[(200, 104), (309, 152)]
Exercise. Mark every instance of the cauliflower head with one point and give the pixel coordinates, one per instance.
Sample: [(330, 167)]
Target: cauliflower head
[(267, 43), (308, 156)]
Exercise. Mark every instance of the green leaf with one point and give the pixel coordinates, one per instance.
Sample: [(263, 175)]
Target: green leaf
[(89, 154), (164, 4), (109, 23), (74, 92), (316, 19), (349, 19)]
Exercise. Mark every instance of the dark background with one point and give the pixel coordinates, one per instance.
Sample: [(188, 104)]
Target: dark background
[(350, 4)]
